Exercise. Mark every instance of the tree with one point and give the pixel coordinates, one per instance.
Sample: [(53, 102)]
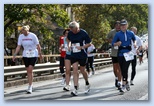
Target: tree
[(99, 19), (42, 19)]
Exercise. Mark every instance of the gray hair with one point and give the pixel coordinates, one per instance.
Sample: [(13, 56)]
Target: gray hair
[(134, 28), (74, 24), (26, 27)]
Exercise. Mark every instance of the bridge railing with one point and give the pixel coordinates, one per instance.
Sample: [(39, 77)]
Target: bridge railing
[(18, 72)]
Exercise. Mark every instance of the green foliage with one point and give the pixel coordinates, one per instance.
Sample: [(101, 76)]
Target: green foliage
[(99, 19), (40, 17)]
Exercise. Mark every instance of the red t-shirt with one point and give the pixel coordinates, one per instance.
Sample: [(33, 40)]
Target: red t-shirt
[(61, 42)]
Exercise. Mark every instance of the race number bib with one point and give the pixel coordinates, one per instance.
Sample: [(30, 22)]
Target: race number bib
[(129, 56), (140, 54), (74, 49), (30, 53), (66, 47), (116, 47)]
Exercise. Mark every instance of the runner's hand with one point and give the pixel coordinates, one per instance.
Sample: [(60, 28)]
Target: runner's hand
[(13, 59)]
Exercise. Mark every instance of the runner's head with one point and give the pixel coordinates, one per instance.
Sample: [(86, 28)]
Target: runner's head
[(117, 25), (123, 25), (74, 27), (25, 29), (134, 29), (65, 32)]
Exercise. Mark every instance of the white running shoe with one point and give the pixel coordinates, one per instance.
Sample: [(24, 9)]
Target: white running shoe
[(70, 83), (93, 72), (122, 90), (29, 90), (89, 75), (74, 92), (63, 81), (131, 82), (66, 88), (87, 89)]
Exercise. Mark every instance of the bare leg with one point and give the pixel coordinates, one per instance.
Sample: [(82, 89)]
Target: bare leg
[(84, 73), (30, 74), (68, 71), (75, 73)]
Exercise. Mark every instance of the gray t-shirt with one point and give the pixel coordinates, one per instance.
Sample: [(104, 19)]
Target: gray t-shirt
[(111, 34)]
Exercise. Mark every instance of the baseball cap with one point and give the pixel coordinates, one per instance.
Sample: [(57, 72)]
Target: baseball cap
[(123, 22)]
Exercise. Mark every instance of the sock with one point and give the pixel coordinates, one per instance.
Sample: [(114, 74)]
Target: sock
[(116, 78), (119, 82), (87, 83), (63, 75), (76, 87)]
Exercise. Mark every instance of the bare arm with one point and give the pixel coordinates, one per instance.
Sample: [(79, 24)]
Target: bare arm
[(39, 51), (16, 52)]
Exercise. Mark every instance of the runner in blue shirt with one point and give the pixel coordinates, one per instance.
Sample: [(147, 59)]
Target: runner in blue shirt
[(67, 61), (122, 42), (78, 41)]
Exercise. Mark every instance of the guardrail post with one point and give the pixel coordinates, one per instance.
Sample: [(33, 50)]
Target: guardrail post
[(23, 75), (5, 78)]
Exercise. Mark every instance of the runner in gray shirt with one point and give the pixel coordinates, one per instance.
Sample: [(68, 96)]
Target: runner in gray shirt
[(114, 54)]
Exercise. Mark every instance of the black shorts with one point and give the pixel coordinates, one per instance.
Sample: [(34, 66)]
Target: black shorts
[(114, 59), (30, 61), (82, 62), (68, 57)]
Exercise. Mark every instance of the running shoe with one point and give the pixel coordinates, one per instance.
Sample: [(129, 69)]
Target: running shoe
[(119, 86), (93, 72), (29, 90), (87, 89), (127, 86), (89, 75), (63, 81), (122, 89), (74, 92), (131, 82), (66, 88)]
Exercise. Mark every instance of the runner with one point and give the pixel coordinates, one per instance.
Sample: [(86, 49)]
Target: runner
[(90, 51), (123, 39), (114, 55), (62, 56), (79, 41), (67, 61), (135, 50), (32, 49)]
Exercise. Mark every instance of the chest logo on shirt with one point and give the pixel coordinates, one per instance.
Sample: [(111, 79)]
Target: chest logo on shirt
[(27, 39)]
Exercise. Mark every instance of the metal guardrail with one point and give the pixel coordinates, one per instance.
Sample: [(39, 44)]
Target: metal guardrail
[(47, 58), (19, 72)]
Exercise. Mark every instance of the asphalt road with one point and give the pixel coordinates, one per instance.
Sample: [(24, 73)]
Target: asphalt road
[(102, 88)]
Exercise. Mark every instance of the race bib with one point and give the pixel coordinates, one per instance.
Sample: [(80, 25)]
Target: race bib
[(129, 56), (116, 47), (30, 53), (140, 53), (66, 47), (74, 49)]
